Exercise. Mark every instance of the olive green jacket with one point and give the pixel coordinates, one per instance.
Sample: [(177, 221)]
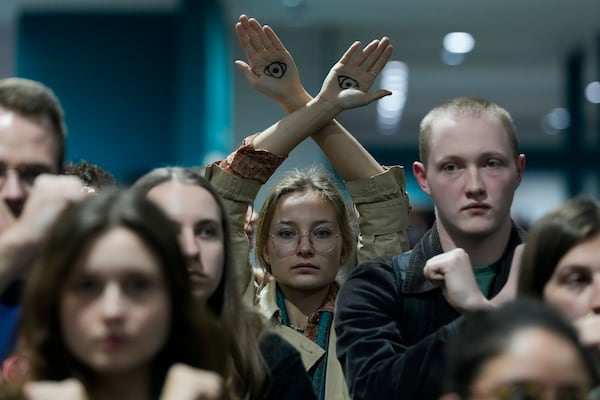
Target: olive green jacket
[(383, 218)]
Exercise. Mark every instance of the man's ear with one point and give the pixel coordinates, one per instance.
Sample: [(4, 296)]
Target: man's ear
[(520, 168), (420, 174)]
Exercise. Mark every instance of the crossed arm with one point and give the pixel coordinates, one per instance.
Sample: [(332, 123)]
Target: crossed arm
[(271, 71)]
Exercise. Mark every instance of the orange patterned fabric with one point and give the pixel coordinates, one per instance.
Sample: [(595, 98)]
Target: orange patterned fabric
[(250, 163)]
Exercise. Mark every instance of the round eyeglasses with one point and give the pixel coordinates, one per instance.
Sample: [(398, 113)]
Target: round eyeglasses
[(286, 241)]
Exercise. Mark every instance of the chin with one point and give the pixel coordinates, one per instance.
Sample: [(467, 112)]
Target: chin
[(478, 230), (308, 286), (200, 294)]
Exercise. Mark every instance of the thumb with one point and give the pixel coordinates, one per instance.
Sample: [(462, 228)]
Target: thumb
[(376, 95), (246, 70)]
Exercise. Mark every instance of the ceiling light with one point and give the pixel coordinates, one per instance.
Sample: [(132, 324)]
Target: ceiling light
[(459, 42), (592, 92)]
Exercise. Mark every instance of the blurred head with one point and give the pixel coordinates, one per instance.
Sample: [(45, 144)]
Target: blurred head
[(303, 234), (561, 259), (469, 165), (203, 231), (93, 176), (503, 354), (32, 138), (109, 293), (194, 206)]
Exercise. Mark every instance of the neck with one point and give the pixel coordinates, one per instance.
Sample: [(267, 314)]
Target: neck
[(133, 386), (300, 304), (482, 249)]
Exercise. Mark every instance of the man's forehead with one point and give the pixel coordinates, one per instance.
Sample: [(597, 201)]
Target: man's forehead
[(26, 141), (463, 133)]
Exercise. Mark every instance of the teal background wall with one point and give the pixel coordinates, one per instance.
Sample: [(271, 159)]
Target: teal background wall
[(139, 90)]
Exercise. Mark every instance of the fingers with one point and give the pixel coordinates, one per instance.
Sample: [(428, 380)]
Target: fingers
[(274, 40), (186, 383), (367, 51), (349, 53), (253, 31), (69, 389), (244, 40), (384, 52), (7, 219), (257, 35), (375, 55)]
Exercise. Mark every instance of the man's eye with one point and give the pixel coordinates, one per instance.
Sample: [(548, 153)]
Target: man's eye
[(493, 164), (449, 167)]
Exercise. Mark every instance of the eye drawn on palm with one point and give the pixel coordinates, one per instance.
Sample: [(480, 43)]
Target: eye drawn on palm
[(270, 69), (350, 79)]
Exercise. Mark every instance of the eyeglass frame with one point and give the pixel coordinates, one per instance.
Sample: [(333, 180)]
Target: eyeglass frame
[(299, 239)]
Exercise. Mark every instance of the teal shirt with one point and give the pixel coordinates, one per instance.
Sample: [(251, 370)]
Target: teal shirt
[(484, 276)]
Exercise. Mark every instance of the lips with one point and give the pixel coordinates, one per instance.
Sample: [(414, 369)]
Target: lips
[(305, 266), (113, 342), (477, 206), (196, 273)]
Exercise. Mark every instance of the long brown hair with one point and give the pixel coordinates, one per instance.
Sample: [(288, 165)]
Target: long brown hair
[(193, 339), (248, 368), (557, 232)]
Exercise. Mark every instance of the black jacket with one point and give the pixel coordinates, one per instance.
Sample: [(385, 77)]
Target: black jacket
[(392, 332)]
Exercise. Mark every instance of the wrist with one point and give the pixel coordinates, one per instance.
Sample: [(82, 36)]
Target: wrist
[(293, 102), (329, 106)]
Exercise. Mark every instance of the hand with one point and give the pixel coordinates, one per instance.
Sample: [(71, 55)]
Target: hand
[(509, 291), (187, 383), (350, 79), (70, 389), (49, 195), (7, 219), (270, 69), (453, 272), (588, 328)]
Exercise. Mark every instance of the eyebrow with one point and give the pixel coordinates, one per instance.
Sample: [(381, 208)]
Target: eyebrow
[(319, 222)]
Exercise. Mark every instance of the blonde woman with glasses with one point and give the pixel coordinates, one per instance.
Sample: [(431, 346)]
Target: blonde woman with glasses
[(304, 231)]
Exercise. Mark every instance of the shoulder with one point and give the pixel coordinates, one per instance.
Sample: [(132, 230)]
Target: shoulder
[(276, 350), (372, 281), (372, 271)]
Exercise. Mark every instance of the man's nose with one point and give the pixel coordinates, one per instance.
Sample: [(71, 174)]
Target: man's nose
[(13, 188), (474, 182)]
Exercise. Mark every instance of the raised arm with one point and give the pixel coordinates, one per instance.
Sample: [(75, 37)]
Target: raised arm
[(271, 70), (378, 193)]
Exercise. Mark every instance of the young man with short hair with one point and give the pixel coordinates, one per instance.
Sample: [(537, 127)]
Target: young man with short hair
[(394, 316)]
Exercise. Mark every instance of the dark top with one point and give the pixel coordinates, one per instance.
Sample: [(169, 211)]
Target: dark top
[(288, 380), (392, 327)]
